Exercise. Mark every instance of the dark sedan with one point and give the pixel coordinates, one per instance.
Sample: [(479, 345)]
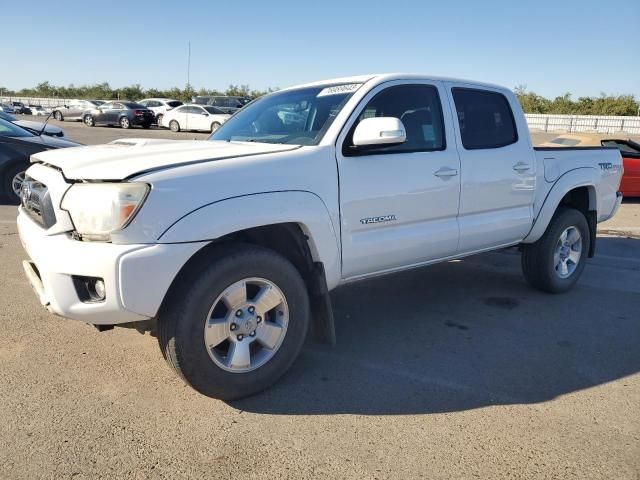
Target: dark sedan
[(125, 114), (16, 146)]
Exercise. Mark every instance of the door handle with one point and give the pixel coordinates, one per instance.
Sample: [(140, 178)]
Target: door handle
[(446, 172), (521, 167)]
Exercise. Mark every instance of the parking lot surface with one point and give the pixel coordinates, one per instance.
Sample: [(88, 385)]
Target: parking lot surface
[(458, 370)]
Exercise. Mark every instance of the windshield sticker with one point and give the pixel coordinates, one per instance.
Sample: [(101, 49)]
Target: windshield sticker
[(339, 89)]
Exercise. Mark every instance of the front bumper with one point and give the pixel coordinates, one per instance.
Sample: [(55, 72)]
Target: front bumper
[(136, 277)]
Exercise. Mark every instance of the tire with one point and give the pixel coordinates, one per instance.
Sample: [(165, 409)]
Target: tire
[(542, 261), (174, 126), (13, 174), (215, 126), (124, 123), (88, 121), (159, 120), (196, 298), (58, 116)]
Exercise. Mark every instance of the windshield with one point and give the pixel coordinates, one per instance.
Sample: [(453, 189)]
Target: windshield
[(8, 129), (296, 117), (7, 116)]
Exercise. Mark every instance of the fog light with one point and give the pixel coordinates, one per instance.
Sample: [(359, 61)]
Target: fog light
[(90, 289), (99, 289)]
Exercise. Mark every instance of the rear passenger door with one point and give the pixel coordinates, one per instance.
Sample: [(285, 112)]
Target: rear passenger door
[(398, 204), (497, 164)]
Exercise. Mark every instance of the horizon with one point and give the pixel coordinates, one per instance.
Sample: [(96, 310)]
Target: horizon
[(282, 45)]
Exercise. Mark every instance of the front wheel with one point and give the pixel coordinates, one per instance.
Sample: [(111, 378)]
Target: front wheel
[(58, 116), (88, 121), (215, 126), (125, 123), (235, 324), (12, 182), (555, 262)]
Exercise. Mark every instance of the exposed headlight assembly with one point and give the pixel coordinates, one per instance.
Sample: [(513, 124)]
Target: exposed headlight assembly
[(98, 209)]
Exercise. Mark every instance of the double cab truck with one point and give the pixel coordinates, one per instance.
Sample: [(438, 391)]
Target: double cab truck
[(228, 248)]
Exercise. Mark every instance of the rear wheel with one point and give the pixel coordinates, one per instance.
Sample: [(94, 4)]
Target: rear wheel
[(159, 120), (215, 126), (58, 116), (174, 126), (234, 325), (125, 123), (88, 121), (555, 262)]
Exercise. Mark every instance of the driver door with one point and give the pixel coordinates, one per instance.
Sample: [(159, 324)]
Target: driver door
[(399, 204)]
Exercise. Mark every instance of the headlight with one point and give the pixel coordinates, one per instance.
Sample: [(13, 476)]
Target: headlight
[(97, 209)]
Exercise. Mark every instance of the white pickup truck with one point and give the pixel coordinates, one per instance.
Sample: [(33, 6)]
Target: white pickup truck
[(228, 247)]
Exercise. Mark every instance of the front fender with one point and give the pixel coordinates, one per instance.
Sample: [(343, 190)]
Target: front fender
[(231, 215), (579, 177)]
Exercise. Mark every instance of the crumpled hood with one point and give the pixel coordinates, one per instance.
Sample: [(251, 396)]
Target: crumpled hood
[(127, 157)]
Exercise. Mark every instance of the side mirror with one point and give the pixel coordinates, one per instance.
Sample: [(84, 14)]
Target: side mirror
[(379, 131)]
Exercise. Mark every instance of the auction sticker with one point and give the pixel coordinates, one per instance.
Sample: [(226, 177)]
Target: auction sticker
[(339, 89)]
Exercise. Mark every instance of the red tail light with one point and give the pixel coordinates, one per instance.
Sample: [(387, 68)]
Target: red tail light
[(138, 112)]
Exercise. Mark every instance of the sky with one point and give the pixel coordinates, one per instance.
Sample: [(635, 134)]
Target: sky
[(583, 47)]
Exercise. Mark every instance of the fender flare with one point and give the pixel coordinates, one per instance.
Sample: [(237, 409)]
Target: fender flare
[(579, 177), (234, 214)]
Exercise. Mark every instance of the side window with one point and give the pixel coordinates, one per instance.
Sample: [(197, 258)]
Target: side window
[(419, 108), (118, 106), (485, 119)]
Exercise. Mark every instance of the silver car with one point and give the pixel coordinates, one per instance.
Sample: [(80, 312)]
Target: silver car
[(74, 109)]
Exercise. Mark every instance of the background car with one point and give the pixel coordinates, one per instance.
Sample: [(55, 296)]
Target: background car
[(123, 113), (73, 110), (19, 107), (38, 110), (630, 151), (16, 146), (7, 108), (34, 127), (194, 117), (224, 103), (159, 106)]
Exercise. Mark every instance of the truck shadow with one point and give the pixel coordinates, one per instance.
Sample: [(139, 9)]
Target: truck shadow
[(467, 334)]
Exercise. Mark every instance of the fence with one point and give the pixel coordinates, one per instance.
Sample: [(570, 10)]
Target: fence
[(42, 101), (583, 123)]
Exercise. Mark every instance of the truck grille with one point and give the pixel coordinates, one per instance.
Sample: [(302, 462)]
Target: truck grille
[(36, 202)]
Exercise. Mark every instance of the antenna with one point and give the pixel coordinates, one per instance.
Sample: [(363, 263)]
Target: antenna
[(189, 66)]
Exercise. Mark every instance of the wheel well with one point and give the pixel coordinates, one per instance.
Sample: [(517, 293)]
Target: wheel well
[(583, 199), (289, 240)]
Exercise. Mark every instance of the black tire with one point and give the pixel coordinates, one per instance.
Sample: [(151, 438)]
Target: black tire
[(174, 126), (538, 263), (89, 121), (182, 318), (159, 120), (7, 182), (215, 126), (124, 123), (58, 116)]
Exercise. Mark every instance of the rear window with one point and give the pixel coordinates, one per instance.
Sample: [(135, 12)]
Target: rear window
[(485, 119)]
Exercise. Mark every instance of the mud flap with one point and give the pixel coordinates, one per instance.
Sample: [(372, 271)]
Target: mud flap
[(322, 324)]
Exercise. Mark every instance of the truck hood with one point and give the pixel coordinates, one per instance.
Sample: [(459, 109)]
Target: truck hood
[(125, 158)]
